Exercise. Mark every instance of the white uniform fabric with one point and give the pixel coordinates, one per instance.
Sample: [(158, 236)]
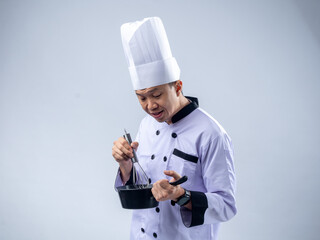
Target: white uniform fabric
[(197, 146), (148, 53)]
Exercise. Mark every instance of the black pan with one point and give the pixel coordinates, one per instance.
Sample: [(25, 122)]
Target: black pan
[(140, 196)]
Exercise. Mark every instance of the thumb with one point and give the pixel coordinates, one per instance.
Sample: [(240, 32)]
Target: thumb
[(134, 145), (173, 174)]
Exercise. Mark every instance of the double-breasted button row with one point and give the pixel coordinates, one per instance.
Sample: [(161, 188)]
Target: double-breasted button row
[(174, 135), (154, 234), (164, 158)]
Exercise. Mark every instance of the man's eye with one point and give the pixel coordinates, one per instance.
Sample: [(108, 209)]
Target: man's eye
[(157, 96)]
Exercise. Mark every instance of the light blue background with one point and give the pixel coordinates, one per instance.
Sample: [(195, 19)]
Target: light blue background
[(65, 96)]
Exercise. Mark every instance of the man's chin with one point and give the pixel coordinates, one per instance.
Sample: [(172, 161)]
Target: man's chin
[(158, 119), (162, 120)]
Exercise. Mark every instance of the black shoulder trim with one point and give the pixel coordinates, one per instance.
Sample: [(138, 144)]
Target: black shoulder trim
[(185, 111), (199, 203), (185, 156)]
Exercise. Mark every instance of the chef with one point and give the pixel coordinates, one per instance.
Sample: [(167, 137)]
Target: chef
[(175, 138)]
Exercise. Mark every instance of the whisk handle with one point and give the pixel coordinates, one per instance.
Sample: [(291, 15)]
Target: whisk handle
[(127, 136)]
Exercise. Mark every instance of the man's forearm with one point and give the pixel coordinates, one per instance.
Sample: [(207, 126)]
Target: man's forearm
[(125, 170)]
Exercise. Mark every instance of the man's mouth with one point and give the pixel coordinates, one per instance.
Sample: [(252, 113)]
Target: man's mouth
[(157, 114)]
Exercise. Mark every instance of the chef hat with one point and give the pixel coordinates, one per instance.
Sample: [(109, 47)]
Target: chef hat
[(148, 53)]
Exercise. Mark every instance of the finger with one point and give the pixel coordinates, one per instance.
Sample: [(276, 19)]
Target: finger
[(173, 174), (116, 149), (155, 192), (159, 193), (135, 145), (165, 188), (119, 157), (164, 184), (123, 147), (119, 152), (122, 141)]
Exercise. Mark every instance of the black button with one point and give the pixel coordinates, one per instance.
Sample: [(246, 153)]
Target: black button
[(157, 132), (157, 209), (142, 230), (174, 135), (164, 158), (152, 156), (149, 180), (155, 235), (173, 203)]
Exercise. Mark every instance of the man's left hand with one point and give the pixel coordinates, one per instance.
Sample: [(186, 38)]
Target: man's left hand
[(163, 191)]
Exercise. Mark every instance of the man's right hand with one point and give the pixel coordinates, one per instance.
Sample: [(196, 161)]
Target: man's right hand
[(122, 153)]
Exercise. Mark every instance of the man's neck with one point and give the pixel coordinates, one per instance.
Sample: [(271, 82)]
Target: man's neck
[(183, 101)]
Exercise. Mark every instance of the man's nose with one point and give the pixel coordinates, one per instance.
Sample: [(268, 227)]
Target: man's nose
[(152, 105)]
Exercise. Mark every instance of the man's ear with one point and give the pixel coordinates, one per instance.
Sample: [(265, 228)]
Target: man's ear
[(178, 87)]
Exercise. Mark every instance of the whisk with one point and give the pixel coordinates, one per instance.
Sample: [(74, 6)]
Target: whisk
[(134, 163)]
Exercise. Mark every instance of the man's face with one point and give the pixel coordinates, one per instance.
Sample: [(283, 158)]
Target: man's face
[(161, 102)]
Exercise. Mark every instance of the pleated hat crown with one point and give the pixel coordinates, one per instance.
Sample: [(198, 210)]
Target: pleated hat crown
[(148, 53)]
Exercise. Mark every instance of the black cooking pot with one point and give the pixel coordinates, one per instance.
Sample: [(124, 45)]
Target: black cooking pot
[(140, 196), (137, 196)]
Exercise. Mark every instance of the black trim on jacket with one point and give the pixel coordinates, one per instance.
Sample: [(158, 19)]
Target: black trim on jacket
[(185, 156), (195, 217), (185, 111)]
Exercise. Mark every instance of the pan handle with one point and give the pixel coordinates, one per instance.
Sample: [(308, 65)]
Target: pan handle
[(179, 181)]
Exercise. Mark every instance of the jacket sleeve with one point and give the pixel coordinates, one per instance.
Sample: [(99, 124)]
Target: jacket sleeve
[(217, 204)]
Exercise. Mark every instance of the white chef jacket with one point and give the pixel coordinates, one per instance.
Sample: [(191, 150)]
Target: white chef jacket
[(195, 145)]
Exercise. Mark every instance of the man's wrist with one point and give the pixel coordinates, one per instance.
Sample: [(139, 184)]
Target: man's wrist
[(181, 193), (183, 199), (125, 171)]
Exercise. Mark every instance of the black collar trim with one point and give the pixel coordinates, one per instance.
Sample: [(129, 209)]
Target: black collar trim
[(185, 111)]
